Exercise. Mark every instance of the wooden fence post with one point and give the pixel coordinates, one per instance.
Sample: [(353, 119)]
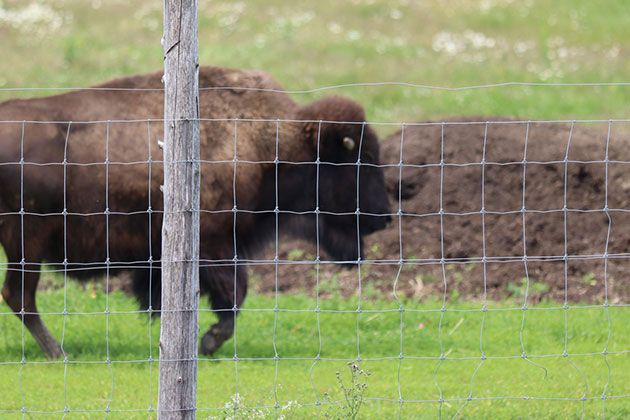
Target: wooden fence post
[(180, 230)]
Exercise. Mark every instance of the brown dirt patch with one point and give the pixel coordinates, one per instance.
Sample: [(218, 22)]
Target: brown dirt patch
[(463, 236)]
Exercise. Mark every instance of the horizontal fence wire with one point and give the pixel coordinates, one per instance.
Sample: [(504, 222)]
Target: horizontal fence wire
[(335, 87), (402, 306), (324, 121)]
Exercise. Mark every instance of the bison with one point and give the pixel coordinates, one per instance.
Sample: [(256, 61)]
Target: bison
[(80, 177)]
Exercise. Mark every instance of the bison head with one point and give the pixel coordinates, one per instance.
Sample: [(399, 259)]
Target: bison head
[(339, 185)]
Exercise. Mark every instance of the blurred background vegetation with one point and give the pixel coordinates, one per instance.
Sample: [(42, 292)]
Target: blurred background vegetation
[(308, 44)]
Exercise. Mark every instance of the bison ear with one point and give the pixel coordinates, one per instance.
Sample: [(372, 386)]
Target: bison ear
[(312, 132)]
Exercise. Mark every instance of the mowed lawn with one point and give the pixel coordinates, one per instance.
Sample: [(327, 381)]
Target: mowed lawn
[(423, 363)]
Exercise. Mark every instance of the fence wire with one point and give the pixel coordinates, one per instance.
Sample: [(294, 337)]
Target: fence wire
[(400, 260)]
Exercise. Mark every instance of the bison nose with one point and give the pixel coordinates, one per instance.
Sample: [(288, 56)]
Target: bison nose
[(385, 220), (373, 224)]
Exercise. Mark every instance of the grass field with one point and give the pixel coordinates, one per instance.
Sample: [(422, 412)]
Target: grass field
[(306, 45), (130, 381)]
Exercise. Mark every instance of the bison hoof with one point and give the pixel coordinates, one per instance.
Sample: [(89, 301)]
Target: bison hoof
[(51, 348), (209, 344), (54, 353), (213, 339)]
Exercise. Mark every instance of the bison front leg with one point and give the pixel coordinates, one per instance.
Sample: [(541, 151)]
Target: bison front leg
[(22, 302), (227, 293)]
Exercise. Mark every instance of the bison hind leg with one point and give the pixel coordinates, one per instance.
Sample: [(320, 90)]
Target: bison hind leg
[(146, 286), (19, 293)]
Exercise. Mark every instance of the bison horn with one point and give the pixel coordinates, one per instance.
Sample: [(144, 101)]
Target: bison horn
[(348, 143)]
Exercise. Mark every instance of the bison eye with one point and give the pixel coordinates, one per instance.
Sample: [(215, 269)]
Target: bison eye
[(348, 143)]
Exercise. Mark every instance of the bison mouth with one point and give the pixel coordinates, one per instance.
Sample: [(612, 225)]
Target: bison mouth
[(340, 240), (336, 234), (342, 245)]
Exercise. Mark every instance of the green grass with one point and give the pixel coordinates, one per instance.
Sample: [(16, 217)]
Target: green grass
[(307, 44), (130, 381)]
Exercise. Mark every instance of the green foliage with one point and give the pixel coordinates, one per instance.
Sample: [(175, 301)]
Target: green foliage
[(296, 254), (329, 285), (535, 288), (458, 278), (589, 279)]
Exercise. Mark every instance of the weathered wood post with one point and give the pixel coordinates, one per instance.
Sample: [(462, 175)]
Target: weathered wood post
[(180, 230)]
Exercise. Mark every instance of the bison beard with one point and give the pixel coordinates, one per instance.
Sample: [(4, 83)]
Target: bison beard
[(65, 178)]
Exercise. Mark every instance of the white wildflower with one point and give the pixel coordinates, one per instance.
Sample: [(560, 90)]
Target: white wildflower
[(284, 23), (478, 40), (260, 41), (486, 6), (521, 47), (395, 14), (301, 19), (334, 27), (35, 18), (453, 44), (613, 52), (353, 35), (230, 13), (448, 43)]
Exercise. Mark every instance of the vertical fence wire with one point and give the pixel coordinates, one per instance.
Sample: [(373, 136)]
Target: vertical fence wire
[(566, 319), (606, 304), (150, 264), (276, 211), (317, 272), (107, 271), (525, 260), (359, 249), (66, 409), (484, 263), (23, 270), (235, 262), (565, 256), (401, 306), (442, 356)]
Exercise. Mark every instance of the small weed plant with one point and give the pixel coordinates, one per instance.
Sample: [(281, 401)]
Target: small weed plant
[(353, 394)]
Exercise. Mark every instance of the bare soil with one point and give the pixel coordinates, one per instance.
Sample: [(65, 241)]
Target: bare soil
[(481, 215)]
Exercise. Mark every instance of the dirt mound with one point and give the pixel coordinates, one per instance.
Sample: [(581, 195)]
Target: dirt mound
[(487, 206)]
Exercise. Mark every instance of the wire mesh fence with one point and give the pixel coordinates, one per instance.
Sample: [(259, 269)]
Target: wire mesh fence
[(437, 223)]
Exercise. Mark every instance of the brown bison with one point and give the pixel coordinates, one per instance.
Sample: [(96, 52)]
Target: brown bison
[(80, 174)]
